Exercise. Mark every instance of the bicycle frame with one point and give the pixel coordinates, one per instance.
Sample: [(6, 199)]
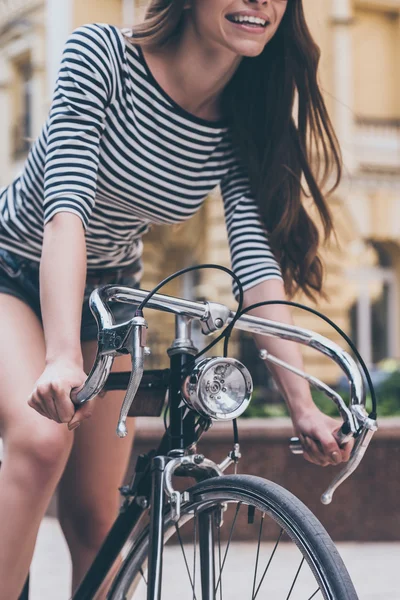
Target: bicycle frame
[(150, 484), (152, 478)]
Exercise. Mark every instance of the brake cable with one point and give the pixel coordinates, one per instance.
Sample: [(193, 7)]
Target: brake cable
[(226, 334), (373, 414), (228, 329)]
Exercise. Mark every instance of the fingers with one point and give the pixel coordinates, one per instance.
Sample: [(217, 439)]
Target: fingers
[(38, 402), (36, 406), (62, 403), (330, 449), (312, 452), (52, 401), (346, 450), (81, 414), (326, 452)]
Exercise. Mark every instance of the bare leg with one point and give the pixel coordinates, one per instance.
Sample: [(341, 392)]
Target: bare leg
[(35, 449), (88, 497)]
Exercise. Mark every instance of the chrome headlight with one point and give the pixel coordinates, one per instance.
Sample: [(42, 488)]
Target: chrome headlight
[(218, 388)]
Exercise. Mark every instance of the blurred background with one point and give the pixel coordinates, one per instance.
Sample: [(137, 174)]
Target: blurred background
[(360, 43)]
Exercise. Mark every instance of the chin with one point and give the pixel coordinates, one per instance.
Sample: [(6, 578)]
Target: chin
[(250, 49), (253, 53)]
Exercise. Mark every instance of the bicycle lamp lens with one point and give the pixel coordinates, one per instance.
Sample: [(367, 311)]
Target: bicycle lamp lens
[(218, 388)]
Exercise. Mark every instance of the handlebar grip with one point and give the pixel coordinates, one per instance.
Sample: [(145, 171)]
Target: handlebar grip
[(95, 381)]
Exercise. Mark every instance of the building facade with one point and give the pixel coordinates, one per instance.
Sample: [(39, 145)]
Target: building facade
[(360, 43)]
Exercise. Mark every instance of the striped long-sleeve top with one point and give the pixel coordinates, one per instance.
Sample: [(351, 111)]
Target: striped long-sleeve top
[(120, 154)]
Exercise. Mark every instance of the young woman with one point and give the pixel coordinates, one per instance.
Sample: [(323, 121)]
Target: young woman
[(141, 128)]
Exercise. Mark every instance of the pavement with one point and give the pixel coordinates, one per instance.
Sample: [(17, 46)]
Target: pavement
[(374, 568)]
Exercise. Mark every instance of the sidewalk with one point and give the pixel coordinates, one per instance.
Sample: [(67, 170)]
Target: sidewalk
[(373, 567)]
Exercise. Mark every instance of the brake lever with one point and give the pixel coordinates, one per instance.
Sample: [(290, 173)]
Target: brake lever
[(360, 447), (111, 343), (356, 425), (135, 344), (129, 337)]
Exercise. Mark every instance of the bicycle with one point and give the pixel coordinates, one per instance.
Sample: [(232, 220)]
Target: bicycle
[(155, 513)]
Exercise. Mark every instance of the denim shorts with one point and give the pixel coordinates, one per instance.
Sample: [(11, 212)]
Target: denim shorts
[(19, 277)]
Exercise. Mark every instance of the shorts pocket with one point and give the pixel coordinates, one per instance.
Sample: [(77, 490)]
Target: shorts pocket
[(11, 264)]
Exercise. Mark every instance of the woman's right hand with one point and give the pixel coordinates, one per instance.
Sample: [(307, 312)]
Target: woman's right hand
[(51, 396)]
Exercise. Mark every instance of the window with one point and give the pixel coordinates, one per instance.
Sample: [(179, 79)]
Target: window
[(373, 316), (376, 64)]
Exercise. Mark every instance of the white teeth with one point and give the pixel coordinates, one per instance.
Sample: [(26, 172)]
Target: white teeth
[(244, 19)]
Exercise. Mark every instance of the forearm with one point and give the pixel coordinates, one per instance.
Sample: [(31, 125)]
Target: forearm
[(62, 283), (295, 390), (316, 430)]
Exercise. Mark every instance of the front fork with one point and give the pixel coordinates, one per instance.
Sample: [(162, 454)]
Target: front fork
[(156, 529), (207, 553), (163, 492), (206, 520)]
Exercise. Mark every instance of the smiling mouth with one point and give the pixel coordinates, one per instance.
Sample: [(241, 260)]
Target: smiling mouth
[(248, 21)]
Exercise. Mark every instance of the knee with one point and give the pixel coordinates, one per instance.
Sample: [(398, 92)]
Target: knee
[(41, 451), (87, 525)]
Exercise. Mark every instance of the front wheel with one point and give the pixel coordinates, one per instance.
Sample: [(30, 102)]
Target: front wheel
[(284, 553)]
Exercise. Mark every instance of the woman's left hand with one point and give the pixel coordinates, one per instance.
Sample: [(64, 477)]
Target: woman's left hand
[(317, 435)]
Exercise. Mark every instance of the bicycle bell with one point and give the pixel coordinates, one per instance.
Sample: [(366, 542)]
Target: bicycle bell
[(218, 388)]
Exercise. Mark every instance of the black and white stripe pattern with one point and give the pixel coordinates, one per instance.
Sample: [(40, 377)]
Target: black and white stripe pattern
[(119, 153)]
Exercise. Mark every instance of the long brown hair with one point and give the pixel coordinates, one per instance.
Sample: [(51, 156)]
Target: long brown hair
[(278, 145)]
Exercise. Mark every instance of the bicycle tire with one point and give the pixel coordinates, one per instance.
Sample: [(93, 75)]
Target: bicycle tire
[(288, 511)]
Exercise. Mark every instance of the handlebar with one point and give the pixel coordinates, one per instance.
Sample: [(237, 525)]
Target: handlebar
[(129, 338)]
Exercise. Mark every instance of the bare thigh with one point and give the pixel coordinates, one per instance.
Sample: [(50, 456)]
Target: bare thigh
[(99, 459), (35, 449), (22, 360)]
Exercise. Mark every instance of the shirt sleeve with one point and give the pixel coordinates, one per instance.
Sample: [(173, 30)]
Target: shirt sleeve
[(252, 258), (76, 122)]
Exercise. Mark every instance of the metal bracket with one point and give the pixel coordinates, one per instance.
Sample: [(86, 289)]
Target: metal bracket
[(233, 458), (194, 461), (215, 318), (219, 517), (113, 340), (191, 462)]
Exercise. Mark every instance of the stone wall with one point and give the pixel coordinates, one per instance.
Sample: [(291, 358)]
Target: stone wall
[(365, 508)]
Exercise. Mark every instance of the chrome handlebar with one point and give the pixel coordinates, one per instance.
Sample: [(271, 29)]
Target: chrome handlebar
[(129, 338)]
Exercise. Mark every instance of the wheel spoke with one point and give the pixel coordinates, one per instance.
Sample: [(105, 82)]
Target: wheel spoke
[(219, 558), (185, 559), (295, 579), (258, 555), (194, 553), (268, 565), (274, 572), (228, 544)]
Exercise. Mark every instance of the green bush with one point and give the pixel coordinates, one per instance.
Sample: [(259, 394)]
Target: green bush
[(262, 407), (388, 394), (264, 403)]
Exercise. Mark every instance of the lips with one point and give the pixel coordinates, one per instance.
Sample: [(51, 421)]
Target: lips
[(249, 17)]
